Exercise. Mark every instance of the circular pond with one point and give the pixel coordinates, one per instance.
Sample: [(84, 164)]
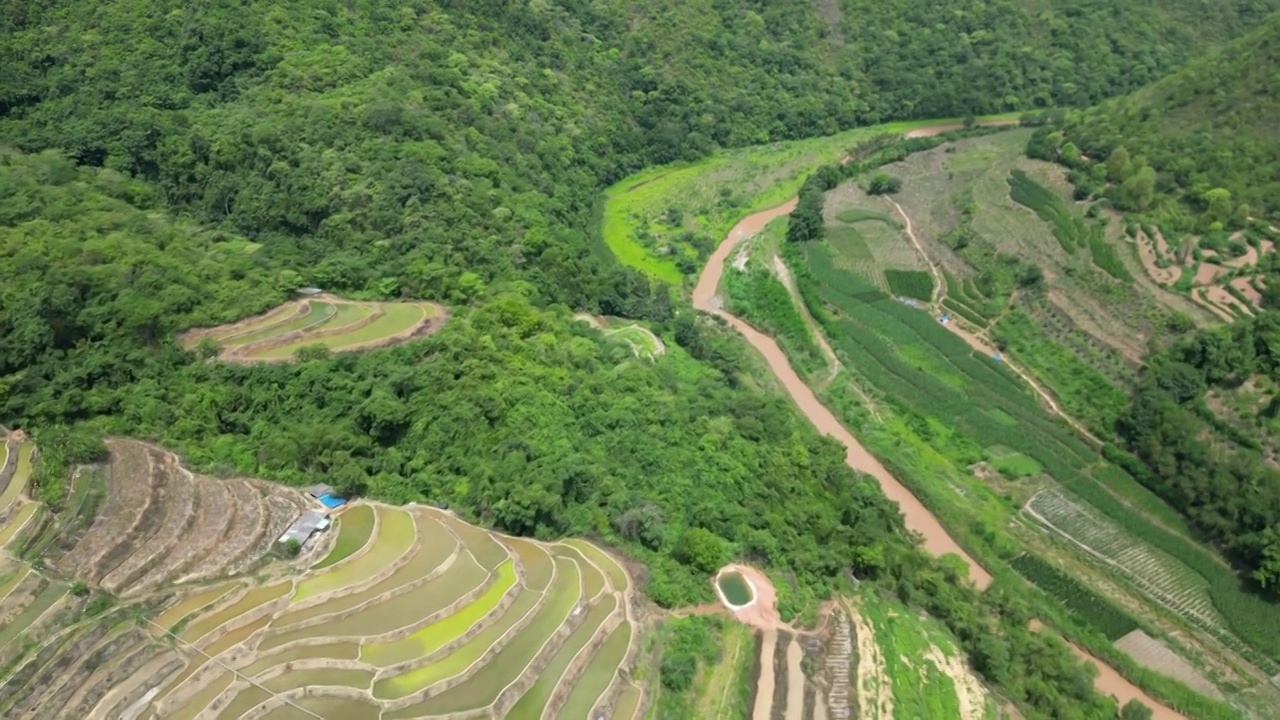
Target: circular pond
[(735, 590)]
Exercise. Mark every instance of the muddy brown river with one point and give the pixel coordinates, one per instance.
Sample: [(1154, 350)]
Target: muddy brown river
[(918, 518)]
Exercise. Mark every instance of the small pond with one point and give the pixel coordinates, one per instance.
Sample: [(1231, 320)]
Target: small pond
[(735, 588)]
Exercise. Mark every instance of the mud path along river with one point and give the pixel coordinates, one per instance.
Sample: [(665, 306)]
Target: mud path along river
[(918, 518)]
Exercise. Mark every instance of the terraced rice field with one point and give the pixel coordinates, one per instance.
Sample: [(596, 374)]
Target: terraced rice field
[(394, 613), (333, 323), (444, 618)]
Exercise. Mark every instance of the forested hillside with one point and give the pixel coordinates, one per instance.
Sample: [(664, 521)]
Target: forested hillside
[(425, 148), (450, 151), (1208, 128), (1204, 420)]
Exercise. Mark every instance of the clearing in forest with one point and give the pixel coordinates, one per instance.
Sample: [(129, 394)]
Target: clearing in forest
[(395, 612), (644, 343), (1025, 268), (332, 323)]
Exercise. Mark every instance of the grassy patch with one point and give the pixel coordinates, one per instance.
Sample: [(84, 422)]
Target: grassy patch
[(857, 215), (355, 526), (1016, 465), (642, 341), (920, 688), (849, 243)]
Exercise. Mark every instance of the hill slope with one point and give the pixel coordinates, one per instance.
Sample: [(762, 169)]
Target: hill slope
[(1213, 124)]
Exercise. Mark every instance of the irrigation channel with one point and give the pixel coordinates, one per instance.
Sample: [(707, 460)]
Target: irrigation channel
[(918, 517)]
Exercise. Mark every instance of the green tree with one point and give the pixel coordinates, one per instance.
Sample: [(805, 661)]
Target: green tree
[(883, 183), (1070, 154), (1118, 165), (806, 223), (702, 549), (1134, 710), (1139, 190), (1218, 203)]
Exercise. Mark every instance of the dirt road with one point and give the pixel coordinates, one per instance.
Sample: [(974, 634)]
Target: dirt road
[(918, 518)]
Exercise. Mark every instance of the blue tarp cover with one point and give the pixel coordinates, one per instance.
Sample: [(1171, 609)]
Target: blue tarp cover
[(332, 501)]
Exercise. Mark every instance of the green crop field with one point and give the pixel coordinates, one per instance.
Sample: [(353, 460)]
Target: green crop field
[(910, 283), (871, 329), (905, 664), (355, 526), (1088, 608)]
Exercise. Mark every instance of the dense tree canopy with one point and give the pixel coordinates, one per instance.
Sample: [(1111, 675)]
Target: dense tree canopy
[(1205, 138), (1213, 457), (425, 148)]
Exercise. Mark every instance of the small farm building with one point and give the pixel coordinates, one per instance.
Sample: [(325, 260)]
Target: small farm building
[(309, 291), (319, 491), (304, 527)]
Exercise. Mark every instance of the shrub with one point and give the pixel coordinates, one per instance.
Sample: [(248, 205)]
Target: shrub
[(883, 183)]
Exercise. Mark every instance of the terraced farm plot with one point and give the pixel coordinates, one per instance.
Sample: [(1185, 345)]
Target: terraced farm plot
[(333, 323), (599, 676), (355, 527), (306, 316), (410, 610), (449, 629), (396, 533), (487, 629), (20, 456), (641, 340)]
